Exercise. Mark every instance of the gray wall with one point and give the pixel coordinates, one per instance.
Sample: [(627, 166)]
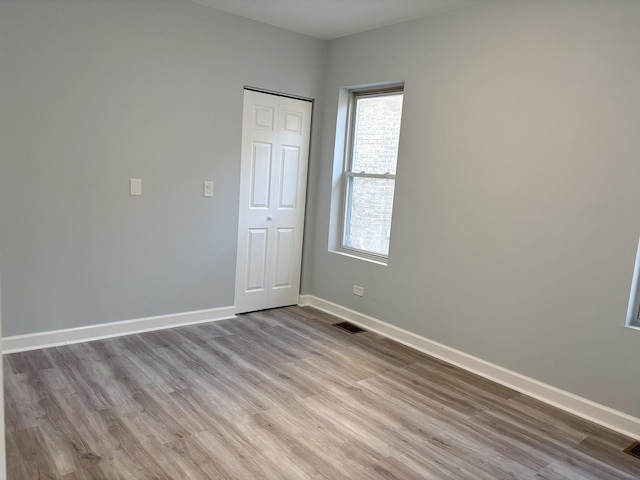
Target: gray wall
[(94, 93), (516, 216)]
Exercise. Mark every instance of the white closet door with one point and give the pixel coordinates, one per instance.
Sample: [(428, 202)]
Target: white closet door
[(274, 158)]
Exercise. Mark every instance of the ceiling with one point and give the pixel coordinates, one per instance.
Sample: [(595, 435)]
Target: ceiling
[(329, 19)]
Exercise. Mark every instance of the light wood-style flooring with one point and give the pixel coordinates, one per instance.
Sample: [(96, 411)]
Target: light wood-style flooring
[(282, 394)]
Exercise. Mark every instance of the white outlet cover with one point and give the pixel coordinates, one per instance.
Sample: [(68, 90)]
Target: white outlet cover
[(136, 187), (359, 291), (207, 190)]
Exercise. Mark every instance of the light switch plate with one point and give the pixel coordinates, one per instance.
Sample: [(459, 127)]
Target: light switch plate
[(208, 189), (136, 187)]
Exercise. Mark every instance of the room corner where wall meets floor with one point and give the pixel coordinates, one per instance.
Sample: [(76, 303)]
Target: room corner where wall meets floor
[(582, 407), (35, 341)]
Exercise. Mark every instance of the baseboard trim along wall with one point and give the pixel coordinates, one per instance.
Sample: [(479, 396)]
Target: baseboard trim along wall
[(34, 341), (582, 407)]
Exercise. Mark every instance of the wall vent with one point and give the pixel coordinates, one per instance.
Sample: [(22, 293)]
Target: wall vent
[(349, 327), (633, 449)]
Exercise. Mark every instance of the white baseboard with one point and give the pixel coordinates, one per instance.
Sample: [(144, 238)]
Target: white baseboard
[(55, 338), (582, 407)]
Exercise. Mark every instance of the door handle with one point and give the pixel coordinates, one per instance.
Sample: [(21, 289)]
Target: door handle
[(269, 218)]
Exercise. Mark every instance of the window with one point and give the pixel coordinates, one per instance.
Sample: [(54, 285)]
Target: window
[(371, 156)]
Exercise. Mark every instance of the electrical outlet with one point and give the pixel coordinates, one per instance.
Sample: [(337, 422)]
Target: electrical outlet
[(359, 291), (208, 189), (135, 187)]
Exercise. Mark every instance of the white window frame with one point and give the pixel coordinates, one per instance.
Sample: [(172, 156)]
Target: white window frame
[(348, 174), (633, 310)]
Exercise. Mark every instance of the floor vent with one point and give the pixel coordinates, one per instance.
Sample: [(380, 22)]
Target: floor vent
[(633, 449), (349, 327)]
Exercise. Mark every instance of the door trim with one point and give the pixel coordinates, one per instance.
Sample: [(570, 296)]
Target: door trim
[(279, 94)]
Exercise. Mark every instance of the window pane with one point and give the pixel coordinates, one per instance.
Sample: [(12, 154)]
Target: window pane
[(376, 134), (369, 214)]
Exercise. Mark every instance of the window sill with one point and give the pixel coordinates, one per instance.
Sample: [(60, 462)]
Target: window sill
[(383, 262)]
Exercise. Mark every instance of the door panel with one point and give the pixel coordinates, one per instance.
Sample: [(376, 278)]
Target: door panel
[(292, 122), (260, 174), (263, 117), (273, 175), (284, 261), (257, 259), (289, 176)]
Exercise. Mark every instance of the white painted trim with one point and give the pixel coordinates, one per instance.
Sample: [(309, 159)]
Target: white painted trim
[(34, 341), (582, 407), (634, 296), (3, 456)]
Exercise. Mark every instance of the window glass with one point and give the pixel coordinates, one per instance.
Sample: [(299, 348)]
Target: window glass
[(376, 133), (369, 219)]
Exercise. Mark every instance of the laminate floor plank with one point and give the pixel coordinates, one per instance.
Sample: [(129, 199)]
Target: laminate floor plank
[(317, 435), (27, 450), (396, 423), (283, 394), (21, 411)]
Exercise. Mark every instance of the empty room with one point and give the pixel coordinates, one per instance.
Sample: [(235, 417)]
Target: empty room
[(319, 239)]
